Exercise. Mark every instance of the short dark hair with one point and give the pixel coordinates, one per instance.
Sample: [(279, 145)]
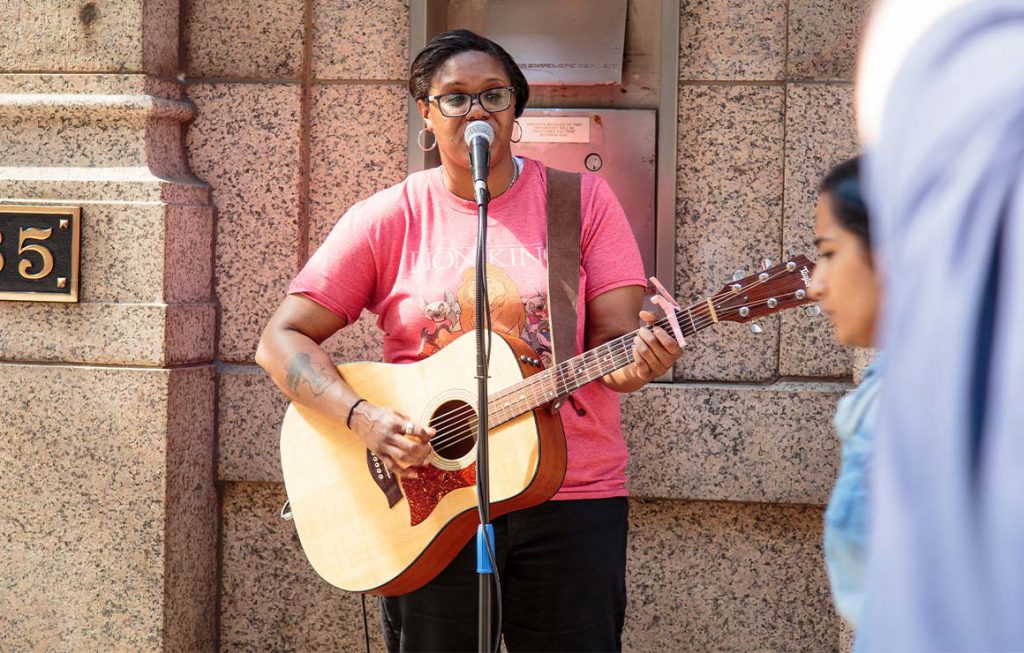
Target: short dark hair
[(446, 45), (842, 184)]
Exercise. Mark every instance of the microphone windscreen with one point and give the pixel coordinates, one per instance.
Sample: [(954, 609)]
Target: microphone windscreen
[(478, 128)]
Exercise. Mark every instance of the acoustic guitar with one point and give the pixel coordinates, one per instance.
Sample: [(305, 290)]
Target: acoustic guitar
[(364, 530)]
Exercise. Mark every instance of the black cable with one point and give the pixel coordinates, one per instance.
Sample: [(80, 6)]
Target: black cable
[(497, 589), (366, 626)]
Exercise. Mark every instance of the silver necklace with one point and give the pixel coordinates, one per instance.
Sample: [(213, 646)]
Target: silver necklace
[(515, 175)]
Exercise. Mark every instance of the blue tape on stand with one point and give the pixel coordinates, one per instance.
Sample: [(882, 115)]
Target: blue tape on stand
[(483, 561)]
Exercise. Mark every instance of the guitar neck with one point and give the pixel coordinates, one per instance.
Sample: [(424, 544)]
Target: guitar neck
[(568, 376)]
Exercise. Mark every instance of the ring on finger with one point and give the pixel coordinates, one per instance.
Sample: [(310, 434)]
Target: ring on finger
[(409, 427)]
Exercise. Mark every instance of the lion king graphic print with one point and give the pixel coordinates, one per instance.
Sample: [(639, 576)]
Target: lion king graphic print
[(450, 314)]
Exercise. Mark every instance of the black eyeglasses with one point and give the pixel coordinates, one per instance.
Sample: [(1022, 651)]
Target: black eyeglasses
[(456, 105)]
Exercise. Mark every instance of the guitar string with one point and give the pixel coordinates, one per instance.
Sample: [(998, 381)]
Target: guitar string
[(556, 376), (469, 434), (456, 436), (528, 391), (549, 378), (616, 359), (559, 370), (586, 367)]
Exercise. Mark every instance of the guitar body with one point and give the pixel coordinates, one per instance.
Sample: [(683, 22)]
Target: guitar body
[(359, 540)]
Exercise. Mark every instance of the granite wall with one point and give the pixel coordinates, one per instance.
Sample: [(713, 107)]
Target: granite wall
[(108, 499), (730, 465), (289, 111)]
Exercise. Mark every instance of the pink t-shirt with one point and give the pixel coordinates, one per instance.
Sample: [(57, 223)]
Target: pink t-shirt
[(407, 255)]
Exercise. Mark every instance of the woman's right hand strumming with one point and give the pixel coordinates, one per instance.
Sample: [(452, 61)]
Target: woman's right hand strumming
[(400, 443), (289, 351)]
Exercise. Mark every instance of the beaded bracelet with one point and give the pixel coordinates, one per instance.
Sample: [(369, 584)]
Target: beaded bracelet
[(348, 420)]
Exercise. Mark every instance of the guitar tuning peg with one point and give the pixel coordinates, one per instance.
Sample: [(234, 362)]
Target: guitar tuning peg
[(756, 328), (813, 310), (766, 263), (739, 274), (790, 253)]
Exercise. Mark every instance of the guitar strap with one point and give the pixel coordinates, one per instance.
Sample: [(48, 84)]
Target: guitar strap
[(563, 217)]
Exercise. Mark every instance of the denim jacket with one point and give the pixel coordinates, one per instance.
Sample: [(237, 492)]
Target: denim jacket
[(846, 517)]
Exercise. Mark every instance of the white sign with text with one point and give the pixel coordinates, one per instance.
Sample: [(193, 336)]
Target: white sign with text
[(553, 129)]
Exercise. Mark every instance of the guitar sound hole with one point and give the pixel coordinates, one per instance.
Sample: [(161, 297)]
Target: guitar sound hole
[(455, 422)]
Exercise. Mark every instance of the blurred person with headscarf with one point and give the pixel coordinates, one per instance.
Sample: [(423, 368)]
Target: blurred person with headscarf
[(941, 116)]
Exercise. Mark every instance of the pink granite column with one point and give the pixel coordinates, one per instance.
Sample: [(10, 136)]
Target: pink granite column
[(107, 495), (301, 110)]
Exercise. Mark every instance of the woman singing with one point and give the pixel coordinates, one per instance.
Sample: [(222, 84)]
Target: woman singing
[(406, 254)]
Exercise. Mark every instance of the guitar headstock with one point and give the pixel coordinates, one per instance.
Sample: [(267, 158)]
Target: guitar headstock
[(770, 291)]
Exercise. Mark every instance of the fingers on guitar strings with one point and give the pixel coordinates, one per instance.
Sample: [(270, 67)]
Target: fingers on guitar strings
[(668, 342), (423, 434)]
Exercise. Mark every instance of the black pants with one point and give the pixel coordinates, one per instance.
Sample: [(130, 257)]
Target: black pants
[(563, 584)]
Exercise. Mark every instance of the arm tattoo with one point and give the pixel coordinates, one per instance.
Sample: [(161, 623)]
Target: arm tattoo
[(300, 371)]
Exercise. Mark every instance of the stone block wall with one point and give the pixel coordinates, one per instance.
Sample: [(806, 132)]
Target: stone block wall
[(301, 111), (137, 425), (731, 464)]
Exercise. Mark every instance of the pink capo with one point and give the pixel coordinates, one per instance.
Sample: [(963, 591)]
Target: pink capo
[(664, 301)]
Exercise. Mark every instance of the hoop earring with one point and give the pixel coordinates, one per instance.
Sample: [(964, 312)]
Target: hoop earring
[(419, 140), (515, 123)]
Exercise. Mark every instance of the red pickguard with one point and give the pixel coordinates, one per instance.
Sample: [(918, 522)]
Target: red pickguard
[(426, 491)]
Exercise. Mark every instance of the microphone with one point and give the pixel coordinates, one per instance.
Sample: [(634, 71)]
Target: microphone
[(478, 137)]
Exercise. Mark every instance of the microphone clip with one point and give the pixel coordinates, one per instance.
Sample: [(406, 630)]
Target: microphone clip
[(480, 192)]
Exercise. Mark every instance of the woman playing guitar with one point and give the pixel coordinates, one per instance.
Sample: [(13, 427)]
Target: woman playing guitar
[(406, 255)]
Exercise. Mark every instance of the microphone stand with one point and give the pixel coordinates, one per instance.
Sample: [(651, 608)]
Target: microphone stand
[(485, 532)]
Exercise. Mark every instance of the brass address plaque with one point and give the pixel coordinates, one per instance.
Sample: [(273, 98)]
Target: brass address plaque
[(39, 249)]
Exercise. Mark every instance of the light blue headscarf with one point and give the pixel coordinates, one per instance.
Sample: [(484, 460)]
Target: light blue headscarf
[(945, 187)]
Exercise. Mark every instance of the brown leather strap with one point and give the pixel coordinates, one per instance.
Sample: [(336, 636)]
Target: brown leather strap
[(563, 260)]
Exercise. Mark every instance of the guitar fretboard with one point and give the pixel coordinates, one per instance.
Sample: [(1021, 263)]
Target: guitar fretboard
[(568, 376)]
